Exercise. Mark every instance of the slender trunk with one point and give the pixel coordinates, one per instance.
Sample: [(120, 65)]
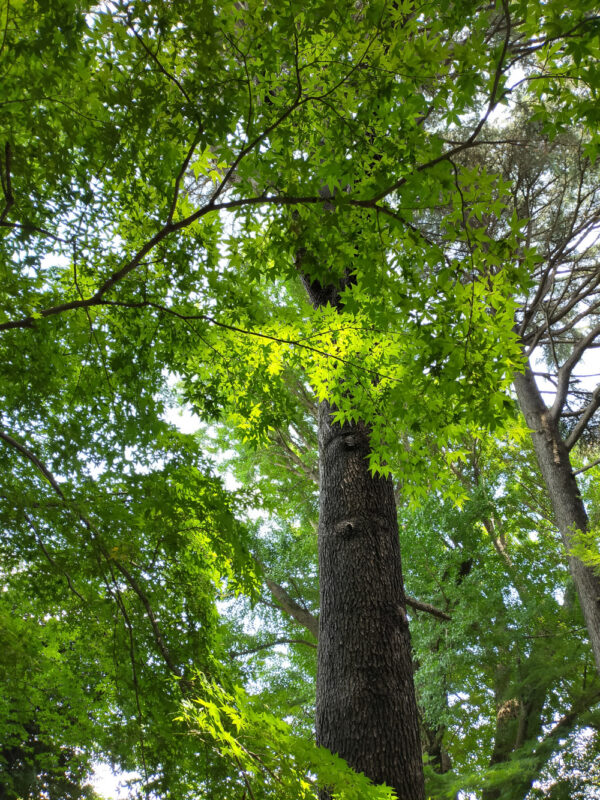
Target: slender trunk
[(555, 466), (518, 725)]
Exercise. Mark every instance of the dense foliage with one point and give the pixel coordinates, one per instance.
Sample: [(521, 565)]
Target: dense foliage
[(169, 171)]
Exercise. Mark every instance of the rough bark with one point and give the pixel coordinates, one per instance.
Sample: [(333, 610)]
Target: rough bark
[(366, 706), (569, 510)]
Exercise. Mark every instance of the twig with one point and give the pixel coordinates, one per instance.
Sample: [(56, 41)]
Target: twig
[(6, 183), (258, 648), (182, 172), (586, 416), (51, 560), (587, 466)]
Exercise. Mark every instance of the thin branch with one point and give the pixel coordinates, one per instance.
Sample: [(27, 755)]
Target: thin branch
[(566, 723), (6, 183), (293, 608), (290, 455), (245, 777), (267, 645), (588, 413), (151, 616), (493, 100), (245, 331), (25, 226), (171, 227), (182, 171), (35, 461), (296, 103), (5, 31), (587, 466), (157, 61), (418, 605), (51, 560), (136, 687), (564, 373)]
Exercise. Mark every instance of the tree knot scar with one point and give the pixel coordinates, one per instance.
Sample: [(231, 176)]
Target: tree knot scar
[(351, 441), (346, 529), (509, 710)]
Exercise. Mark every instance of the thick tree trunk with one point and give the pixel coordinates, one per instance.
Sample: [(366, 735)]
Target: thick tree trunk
[(555, 465), (366, 706)]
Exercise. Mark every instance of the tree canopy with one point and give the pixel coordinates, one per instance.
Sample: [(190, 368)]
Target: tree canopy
[(258, 211)]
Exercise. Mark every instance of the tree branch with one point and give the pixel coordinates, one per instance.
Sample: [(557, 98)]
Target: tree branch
[(6, 183), (564, 373), (295, 459), (35, 461), (586, 416), (131, 580), (182, 171), (493, 100), (51, 560), (587, 466), (418, 605), (258, 648), (293, 608)]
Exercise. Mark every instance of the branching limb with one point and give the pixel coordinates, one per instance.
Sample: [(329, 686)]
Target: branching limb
[(293, 608), (35, 461), (565, 372), (566, 723), (418, 605), (492, 102), (295, 459), (180, 176), (586, 416), (51, 559), (157, 61)]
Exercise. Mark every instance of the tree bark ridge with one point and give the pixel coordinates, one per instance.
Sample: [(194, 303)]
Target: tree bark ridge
[(366, 710)]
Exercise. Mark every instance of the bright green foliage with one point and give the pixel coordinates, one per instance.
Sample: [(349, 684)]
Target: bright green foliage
[(264, 756), (514, 661), (163, 169)]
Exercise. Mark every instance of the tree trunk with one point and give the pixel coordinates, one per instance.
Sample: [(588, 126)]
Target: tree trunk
[(366, 706), (555, 466), (519, 705), (366, 709)]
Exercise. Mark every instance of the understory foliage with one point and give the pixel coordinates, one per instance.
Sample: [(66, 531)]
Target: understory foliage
[(170, 171)]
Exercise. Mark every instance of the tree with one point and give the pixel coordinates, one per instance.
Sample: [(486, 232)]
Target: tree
[(156, 120), (554, 194), (504, 674)]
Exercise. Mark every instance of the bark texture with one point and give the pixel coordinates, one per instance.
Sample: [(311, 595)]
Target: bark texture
[(366, 710), (366, 706), (569, 510)]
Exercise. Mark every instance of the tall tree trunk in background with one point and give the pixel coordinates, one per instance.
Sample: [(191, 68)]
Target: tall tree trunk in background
[(555, 465), (366, 705)]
